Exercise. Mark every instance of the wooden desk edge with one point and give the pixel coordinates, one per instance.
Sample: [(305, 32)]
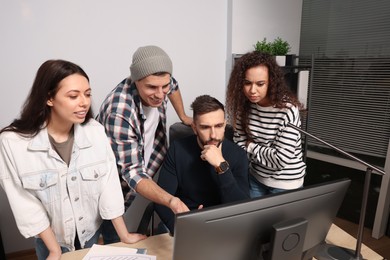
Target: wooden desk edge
[(336, 236)]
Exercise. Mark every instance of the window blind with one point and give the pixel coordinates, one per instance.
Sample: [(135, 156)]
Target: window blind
[(350, 92)]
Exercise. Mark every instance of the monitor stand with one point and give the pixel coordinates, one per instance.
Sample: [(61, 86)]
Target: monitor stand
[(287, 240)]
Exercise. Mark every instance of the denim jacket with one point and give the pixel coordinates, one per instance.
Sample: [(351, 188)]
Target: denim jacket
[(43, 191)]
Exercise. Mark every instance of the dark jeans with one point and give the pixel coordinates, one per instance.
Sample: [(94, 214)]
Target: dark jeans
[(109, 233), (257, 189), (42, 251)]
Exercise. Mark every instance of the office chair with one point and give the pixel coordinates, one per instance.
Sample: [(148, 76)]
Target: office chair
[(136, 215), (146, 225)]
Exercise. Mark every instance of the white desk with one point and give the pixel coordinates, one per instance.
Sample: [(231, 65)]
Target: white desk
[(162, 246)]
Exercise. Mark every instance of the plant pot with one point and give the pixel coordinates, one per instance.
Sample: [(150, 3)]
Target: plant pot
[(281, 60)]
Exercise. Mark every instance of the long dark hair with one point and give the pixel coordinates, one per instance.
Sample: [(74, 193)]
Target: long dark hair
[(279, 94), (35, 111)]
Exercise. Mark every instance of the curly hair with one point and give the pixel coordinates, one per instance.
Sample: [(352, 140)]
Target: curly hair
[(279, 94)]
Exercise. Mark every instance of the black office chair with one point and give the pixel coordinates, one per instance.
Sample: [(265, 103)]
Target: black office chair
[(146, 225)]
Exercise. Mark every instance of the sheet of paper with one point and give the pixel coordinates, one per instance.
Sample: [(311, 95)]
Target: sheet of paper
[(103, 252)]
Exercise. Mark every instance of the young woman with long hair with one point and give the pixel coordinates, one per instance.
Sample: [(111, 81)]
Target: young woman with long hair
[(57, 167)]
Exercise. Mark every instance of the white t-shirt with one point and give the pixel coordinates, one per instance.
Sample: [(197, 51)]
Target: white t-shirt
[(150, 126)]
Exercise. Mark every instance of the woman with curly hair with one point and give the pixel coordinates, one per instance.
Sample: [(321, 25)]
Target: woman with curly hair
[(260, 106)]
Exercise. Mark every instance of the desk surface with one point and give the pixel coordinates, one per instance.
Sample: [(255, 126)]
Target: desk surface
[(162, 245)]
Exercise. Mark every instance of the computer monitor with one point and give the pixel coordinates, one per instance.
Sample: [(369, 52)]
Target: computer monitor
[(289, 225)]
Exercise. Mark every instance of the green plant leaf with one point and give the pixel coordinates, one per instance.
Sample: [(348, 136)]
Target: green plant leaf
[(277, 47), (263, 46), (280, 47)]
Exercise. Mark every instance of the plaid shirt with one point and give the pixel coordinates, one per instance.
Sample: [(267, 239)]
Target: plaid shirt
[(123, 118)]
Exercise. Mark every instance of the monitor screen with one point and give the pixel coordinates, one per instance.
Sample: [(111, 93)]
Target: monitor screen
[(261, 228)]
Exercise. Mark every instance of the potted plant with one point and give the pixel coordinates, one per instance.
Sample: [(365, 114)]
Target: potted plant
[(279, 48)]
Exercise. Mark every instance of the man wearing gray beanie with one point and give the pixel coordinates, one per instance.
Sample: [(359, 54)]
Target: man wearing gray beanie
[(134, 117)]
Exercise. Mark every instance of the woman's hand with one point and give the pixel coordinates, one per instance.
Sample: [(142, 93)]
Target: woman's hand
[(54, 255), (124, 235), (131, 238)]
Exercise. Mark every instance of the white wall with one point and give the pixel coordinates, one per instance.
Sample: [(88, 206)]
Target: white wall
[(255, 19), (101, 36)]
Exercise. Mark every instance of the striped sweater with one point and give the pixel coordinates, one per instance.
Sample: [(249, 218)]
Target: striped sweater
[(275, 153)]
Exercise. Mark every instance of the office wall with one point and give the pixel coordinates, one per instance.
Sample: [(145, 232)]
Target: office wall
[(101, 36), (252, 20)]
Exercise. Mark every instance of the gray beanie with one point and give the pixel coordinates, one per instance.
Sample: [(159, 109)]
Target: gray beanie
[(148, 60)]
